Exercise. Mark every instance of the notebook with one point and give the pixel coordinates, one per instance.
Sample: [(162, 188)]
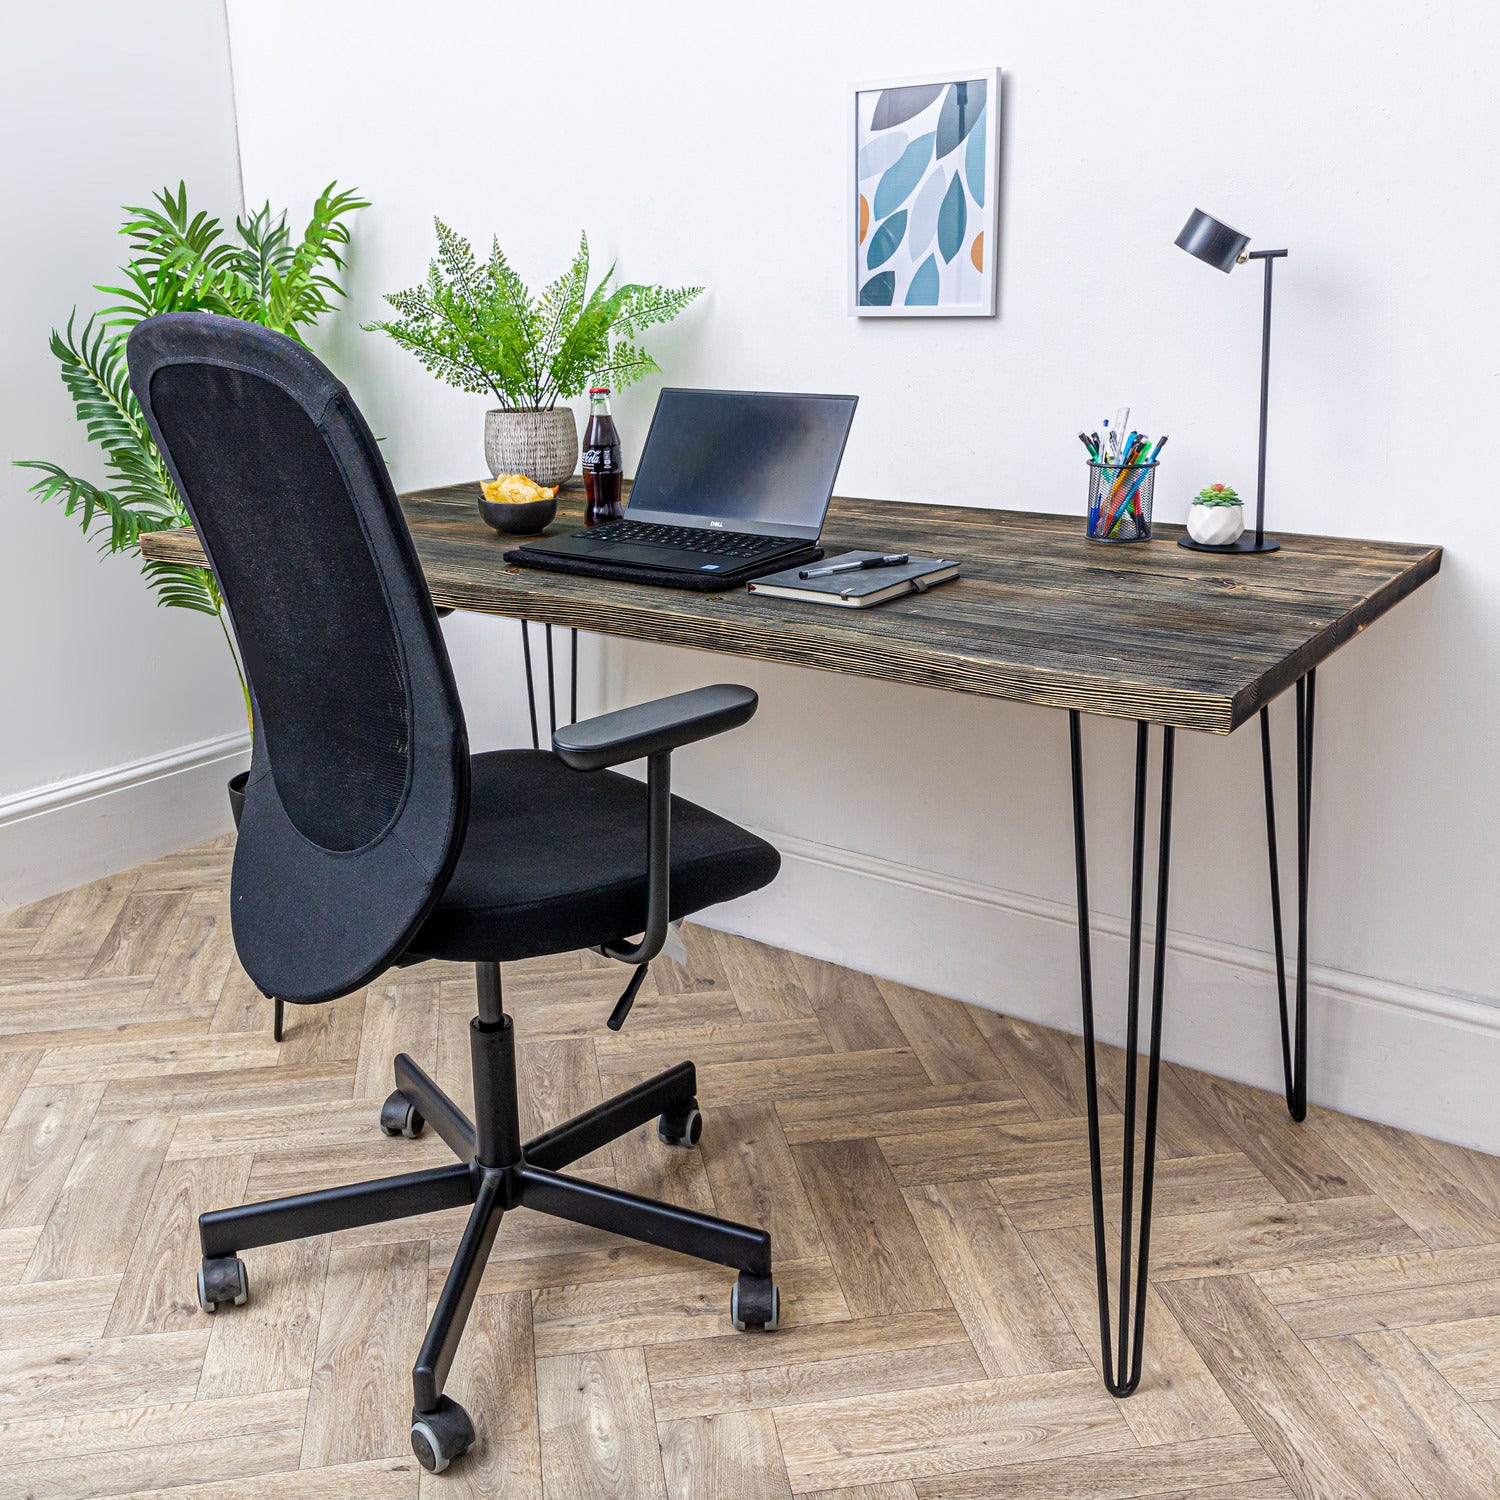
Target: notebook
[(856, 590)]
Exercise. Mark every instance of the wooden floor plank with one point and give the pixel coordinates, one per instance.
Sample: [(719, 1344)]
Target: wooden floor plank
[(1012, 1319), (882, 1262), (763, 980), (598, 1434), (875, 1439), (1466, 1354), (1299, 1163), (63, 1312), (1228, 1468), (374, 1316), (270, 1344), (558, 1078), (1438, 1441), (37, 1146), (1178, 1400), (813, 1362), (159, 1289), (180, 1445), (1042, 1062), (494, 1378), (109, 1187), (1183, 1185), (382, 1479), (687, 1304), (848, 1005), (1385, 1291), (1315, 1438), (1436, 1205), (730, 1456), (754, 1178), (400, 1015), (82, 919), (98, 1374), (908, 1108), (141, 936), (943, 1035)]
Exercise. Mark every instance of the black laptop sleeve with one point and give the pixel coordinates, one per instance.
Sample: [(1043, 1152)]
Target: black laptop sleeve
[(703, 583)]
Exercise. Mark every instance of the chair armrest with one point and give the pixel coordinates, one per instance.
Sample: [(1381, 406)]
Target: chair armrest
[(650, 728), (653, 730)]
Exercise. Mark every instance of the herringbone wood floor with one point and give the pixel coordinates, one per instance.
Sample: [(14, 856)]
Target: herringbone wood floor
[(1325, 1318)]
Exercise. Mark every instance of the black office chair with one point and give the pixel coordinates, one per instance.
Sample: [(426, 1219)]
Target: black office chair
[(371, 837)]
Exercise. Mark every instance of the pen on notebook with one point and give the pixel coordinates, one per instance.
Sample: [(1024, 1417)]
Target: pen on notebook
[(890, 560)]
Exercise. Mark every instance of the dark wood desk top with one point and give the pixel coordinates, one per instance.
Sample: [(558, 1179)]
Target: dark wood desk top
[(1040, 613)]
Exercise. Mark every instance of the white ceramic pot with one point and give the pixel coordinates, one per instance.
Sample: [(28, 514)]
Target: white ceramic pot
[(543, 445), (1216, 525)]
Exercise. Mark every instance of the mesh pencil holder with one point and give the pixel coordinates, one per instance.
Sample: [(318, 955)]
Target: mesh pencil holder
[(1120, 501)]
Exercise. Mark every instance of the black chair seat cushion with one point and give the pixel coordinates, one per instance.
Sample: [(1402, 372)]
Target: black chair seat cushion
[(555, 860)]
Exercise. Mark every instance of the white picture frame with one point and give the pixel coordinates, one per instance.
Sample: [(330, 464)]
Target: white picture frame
[(936, 208)]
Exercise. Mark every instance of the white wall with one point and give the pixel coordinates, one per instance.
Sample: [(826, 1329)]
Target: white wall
[(707, 143), (100, 105)]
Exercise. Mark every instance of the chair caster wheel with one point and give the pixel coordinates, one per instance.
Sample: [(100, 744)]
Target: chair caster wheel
[(398, 1116), (441, 1435), (682, 1126), (222, 1283), (755, 1302)]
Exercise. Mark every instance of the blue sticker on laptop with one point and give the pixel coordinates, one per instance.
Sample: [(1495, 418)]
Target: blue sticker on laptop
[(709, 568)]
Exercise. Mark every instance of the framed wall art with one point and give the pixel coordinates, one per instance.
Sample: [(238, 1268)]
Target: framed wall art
[(924, 159)]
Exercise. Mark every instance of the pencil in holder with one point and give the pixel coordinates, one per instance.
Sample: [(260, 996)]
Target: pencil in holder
[(1120, 501)]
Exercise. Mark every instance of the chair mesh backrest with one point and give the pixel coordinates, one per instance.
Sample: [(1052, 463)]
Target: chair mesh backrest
[(359, 777)]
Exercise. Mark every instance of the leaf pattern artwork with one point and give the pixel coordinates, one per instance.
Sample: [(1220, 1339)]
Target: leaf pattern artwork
[(974, 160), (897, 184), (922, 163), (924, 213), (953, 219), (923, 291), (882, 152), (962, 106), (898, 105), (886, 238)]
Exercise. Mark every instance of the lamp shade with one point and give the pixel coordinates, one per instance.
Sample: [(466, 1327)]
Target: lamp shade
[(1212, 242)]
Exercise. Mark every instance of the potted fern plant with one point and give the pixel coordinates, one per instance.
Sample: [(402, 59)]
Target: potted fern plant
[(482, 330), (181, 263)]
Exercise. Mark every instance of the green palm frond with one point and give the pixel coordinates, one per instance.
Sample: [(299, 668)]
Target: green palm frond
[(180, 261), (479, 327)]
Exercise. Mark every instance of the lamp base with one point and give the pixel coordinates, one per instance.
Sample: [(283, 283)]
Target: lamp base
[(1246, 543)]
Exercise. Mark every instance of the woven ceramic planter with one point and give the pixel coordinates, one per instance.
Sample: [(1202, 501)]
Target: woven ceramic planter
[(543, 445)]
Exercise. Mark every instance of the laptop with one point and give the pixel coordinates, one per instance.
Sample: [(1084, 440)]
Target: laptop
[(730, 484)]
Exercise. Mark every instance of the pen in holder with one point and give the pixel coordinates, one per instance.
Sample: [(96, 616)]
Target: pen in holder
[(1120, 500)]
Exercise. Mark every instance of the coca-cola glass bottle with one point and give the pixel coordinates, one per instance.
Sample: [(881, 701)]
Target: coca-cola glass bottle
[(603, 469)]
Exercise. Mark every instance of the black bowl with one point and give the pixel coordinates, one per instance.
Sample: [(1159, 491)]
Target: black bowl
[(518, 520)]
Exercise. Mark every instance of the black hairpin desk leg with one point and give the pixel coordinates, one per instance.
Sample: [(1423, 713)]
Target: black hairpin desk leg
[(1294, 1027), (1121, 1359), (551, 681)]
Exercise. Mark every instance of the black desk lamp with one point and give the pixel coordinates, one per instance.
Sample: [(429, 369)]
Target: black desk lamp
[(1218, 245)]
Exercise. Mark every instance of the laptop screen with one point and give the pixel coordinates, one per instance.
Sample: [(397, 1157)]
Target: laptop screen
[(756, 461)]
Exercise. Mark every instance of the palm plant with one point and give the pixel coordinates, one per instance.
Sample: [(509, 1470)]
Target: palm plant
[(180, 263), (481, 329)]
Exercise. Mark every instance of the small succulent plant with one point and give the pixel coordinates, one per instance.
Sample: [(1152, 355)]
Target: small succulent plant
[(1217, 494)]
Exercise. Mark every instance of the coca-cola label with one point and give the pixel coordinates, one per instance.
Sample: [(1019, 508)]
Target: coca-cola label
[(601, 460)]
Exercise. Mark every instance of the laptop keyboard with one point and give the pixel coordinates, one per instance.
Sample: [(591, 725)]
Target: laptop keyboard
[(739, 545)]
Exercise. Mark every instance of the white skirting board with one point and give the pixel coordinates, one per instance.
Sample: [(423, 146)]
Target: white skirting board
[(1415, 1058), (71, 832)]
